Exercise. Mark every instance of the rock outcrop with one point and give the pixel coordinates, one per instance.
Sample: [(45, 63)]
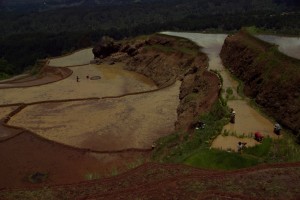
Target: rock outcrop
[(270, 77), (105, 47), (165, 59)]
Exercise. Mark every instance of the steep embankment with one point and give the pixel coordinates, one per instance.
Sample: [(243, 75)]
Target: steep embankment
[(270, 77), (166, 59)]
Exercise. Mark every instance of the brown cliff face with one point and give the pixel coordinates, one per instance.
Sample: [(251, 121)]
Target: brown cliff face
[(165, 59), (270, 77)]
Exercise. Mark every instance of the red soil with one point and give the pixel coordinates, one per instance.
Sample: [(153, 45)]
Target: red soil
[(160, 181), (26, 154)]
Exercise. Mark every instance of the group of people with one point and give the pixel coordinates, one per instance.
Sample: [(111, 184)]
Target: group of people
[(257, 136), (77, 78)]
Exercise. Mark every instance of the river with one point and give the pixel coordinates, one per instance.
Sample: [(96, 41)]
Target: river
[(287, 45)]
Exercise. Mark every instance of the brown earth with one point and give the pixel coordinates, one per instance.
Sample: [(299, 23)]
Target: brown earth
[(270, 77), (165, 59), (163, 181), (26, 154), (23, 153), (45, 76)]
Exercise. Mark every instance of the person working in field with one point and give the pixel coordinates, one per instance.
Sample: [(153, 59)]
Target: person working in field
[(232, 116), (277, 128), (258, 136), (241, 146)]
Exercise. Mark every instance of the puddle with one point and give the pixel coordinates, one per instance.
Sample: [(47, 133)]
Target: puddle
[(287, 45), (114, 81)]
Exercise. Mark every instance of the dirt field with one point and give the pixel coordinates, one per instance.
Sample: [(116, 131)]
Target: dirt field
[(27, 154), (161, 181), (4, 111), (248, 120), (112, 125), (230, 143), (114, 82), (81, 57), (107, 124)]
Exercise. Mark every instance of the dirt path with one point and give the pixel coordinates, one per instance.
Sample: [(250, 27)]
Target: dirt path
[(27, 154)]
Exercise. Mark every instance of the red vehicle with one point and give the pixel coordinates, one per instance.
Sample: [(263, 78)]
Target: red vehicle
[(258, 136)]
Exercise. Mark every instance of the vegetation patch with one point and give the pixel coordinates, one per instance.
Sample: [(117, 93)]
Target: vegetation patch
[(217, 159), (179, 146), (261, 150)]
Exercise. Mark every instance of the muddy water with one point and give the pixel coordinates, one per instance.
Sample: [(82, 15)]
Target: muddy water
[(287, 45), (248, 120), (78, 58), (114, 81), (211, 45), (105, 125)]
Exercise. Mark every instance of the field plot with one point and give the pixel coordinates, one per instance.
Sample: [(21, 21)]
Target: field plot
[(4, 111), (105, 124), (81, 57), (113, 81)]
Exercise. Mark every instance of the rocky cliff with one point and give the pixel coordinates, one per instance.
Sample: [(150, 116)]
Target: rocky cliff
[(166, 59), (270, 77)]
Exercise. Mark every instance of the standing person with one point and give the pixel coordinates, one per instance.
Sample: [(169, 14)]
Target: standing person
[(77, 79), (232, 116), (277, 128)]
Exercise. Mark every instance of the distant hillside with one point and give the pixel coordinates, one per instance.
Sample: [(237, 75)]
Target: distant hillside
[(51, 27), (229, 5), (42, 5)]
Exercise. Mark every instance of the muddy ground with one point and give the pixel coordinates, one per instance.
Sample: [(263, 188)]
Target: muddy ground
[(27, 154), (143, 116), (113, 81), (159, 181), (107, 124)]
